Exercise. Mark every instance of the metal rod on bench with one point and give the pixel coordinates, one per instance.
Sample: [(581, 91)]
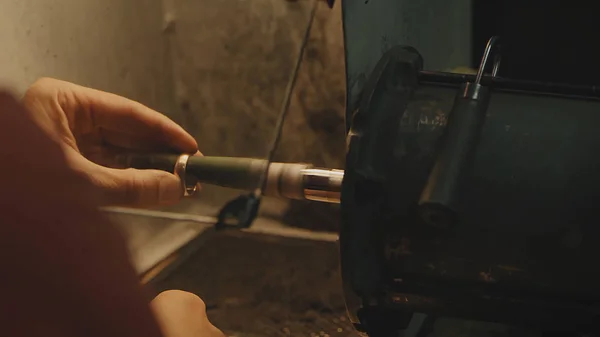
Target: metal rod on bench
[(284, 180)]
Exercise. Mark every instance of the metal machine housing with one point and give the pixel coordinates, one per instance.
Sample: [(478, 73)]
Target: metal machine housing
[(522, 251)]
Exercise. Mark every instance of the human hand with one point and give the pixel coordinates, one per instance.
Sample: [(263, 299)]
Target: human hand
[(93, 127), (182, 314), (70, 273)]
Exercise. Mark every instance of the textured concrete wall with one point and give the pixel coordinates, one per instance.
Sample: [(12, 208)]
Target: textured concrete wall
[(112, 45)]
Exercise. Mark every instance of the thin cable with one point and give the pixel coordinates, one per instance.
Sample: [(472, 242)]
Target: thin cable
[(286, 103)]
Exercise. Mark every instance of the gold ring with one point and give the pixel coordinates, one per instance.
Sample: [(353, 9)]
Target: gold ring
[(180, 172)]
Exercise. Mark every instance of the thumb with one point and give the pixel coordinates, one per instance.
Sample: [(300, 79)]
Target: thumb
[(182, 314), (137, 188), (127, 187)]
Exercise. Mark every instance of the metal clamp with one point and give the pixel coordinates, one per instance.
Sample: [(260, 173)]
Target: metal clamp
[(180, 172)]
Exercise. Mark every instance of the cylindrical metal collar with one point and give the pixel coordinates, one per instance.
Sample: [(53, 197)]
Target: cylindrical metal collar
[(323, 184)]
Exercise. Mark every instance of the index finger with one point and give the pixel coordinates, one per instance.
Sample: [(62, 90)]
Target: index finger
[(99, 109), (120, 114)]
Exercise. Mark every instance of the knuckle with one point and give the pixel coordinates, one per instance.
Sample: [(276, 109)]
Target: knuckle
[(134, 188), (160, 190), (42, 81), (42, 84), (167, 190), (120, 188), (186, 299), (40, 89), (147, 188)]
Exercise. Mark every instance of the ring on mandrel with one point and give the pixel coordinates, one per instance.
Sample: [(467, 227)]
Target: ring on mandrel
[(180, 171)]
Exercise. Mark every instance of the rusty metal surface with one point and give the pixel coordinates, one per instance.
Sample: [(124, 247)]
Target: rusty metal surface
[(522, 250)]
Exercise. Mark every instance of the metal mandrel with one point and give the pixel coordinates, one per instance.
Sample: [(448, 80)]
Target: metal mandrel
[(297, 181)]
